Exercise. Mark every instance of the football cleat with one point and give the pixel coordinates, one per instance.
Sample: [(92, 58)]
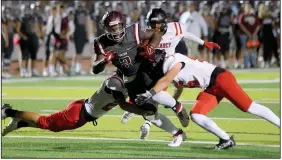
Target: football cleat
[(126, 117), (4, 107), (145, 130), (225, 144), (178, 138), (13, 125), (182, 115)]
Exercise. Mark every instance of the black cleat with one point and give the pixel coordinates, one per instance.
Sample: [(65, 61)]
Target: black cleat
[(4, 107), (225, 144)]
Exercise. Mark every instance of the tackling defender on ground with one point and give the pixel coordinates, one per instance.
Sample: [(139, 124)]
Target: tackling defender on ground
[(77, 113)]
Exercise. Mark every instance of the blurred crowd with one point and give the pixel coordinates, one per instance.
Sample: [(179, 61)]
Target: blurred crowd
[(247, 31)]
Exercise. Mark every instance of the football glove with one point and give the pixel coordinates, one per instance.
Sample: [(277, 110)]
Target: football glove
[(211, 45), (110, 55), (142, 98)]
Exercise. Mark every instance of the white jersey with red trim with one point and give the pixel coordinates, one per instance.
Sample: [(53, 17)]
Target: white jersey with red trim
[(171, 38), (195, 73), (102, 100)]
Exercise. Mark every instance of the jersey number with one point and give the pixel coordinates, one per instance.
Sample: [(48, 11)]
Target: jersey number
[(125, 61), (109, 106)]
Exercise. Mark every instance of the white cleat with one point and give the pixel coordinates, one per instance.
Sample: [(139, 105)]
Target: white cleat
[(126, 117), (145, 130), (4, 107), (178, 138), (182, 115), (13, 125)]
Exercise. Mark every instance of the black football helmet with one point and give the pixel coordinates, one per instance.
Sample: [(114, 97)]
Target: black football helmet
[(114, 25), (157, 16)]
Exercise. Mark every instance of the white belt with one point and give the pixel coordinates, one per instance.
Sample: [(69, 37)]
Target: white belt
[(128, 79)]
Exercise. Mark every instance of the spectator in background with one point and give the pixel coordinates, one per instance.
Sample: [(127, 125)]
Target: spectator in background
[(205, 11), (29, 44), (195, 24), (61, 42), (237, 10), (9, 27), (223, 33), (267, 37), (50, 29), (81, 34), (250, 25), (4, 44), (40, 22)]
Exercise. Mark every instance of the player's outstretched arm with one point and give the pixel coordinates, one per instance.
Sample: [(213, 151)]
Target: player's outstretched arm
[(132, 108), (161, 84)]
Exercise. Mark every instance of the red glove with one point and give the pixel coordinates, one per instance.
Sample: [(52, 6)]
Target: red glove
[(149, 52), (211, 45), (110, 55)]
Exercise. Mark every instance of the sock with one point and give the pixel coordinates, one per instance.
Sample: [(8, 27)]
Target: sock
[(11, 112), (174, 108), (209, 125), (264, 113), (22, 124), (77, 67), (164, 123), (148, 122), (51, 68), (164, 98)]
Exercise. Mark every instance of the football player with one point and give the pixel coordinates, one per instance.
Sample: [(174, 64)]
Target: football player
[(217, 83), (173, 33), (126, 48), (77, 113)]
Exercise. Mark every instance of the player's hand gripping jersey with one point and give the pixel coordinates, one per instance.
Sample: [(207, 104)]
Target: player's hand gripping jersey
[(194, 74)]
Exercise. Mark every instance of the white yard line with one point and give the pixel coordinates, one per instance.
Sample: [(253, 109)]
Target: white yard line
[(136, 140), (68, 98)]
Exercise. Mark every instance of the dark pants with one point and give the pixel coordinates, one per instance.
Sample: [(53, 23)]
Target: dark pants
[(138, 86), (7, 52), (29, 47)]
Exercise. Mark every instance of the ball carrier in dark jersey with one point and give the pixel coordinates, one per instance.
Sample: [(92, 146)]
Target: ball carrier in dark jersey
[(125, 47)]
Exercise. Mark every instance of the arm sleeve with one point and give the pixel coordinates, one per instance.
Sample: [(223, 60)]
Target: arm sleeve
[(191, 37)]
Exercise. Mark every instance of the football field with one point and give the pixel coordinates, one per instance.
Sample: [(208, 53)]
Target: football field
[(255, 138)]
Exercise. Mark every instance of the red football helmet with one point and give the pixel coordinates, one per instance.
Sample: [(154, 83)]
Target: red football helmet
[(114, 25)]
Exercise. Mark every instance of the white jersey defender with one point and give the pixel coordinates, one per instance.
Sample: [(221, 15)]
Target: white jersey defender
[(194, 74), (174, 33)]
